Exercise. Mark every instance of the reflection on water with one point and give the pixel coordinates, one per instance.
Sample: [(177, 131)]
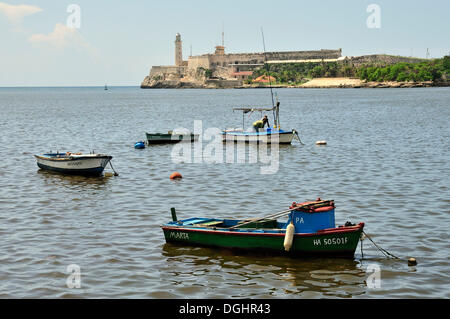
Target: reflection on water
[(61, 179), (268, 276), (385, 164)]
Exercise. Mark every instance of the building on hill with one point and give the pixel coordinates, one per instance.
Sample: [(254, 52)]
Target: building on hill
[(219, 69)]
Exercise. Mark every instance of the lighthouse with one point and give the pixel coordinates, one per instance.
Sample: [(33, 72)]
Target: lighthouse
[(178, 50)]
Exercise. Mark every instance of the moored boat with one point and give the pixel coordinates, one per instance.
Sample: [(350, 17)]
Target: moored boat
[(310, 230), (73, 163), (269, 135), (170, 137)]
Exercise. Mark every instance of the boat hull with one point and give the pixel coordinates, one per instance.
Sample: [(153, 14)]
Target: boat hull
[(89, 165), (160, 138), (336, 242), (262, 137)]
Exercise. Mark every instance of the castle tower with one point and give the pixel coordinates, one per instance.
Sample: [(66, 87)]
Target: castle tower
[(178, 50), (220, 50)]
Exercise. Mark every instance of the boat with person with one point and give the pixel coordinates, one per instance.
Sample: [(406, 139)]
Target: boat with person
[(74, 163), (309, 231), (258, 134), (171, 137), (267, 135)]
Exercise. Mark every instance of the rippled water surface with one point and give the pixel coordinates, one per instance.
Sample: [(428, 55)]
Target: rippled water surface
[(386, 164)]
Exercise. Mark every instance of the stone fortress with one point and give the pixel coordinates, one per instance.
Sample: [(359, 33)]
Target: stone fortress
[(221, 70)]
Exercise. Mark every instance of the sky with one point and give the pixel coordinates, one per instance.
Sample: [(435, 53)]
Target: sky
[(91, 43)]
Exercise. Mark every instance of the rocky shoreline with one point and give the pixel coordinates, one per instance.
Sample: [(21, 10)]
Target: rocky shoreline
[(319, 83)]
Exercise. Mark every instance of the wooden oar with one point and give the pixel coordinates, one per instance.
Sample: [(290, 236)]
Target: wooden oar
[(284, 212)]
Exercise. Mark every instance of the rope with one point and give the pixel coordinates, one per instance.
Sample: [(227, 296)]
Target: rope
[(362, 253), (384, 251), (115, 173), (298, 137)]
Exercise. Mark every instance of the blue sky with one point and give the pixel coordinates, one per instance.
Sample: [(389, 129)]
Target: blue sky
[(118, 41)]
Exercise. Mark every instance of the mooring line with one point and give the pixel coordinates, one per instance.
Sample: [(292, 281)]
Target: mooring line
[(115, 173), (384, 251)]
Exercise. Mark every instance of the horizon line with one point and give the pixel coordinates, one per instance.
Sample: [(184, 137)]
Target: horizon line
[(66, 86)]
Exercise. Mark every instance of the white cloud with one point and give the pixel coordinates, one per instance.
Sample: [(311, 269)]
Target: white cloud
[(62, 37), (16, 13)]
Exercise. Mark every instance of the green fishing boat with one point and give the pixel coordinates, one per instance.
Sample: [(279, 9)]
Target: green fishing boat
[(309, 231), (170, 137)]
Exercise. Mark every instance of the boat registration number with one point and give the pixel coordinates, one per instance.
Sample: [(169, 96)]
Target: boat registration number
[(331, 241), (178, 235), (74, 164)]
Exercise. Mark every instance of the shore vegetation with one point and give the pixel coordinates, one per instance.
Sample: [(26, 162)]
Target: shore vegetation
[(435, 70)]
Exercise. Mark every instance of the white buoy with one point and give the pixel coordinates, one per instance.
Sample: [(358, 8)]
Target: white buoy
[(289, 237), (321, 143)]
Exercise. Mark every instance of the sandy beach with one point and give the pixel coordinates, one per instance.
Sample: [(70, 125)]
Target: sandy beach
[(332, 82)]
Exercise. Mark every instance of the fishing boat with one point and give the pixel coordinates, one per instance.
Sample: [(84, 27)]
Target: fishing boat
[(170, 137), (309, 231), (74, 163), (269, 135)]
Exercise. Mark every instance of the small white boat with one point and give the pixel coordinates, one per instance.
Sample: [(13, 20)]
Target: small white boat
[(271, 135), (73, 163), (267, 136)]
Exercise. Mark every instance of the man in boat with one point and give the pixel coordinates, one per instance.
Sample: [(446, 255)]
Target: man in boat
[(261, 123)]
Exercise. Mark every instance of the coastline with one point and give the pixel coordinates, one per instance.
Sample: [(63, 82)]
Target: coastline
[(316, 83)]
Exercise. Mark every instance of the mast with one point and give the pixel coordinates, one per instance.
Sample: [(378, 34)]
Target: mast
[(270, 80), (223, 34)]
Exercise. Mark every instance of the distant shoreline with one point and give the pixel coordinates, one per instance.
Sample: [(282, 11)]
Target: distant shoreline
[(344, 82), (68, 87), (317, 83)]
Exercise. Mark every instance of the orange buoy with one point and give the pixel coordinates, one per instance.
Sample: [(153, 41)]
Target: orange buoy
[(175, 175)]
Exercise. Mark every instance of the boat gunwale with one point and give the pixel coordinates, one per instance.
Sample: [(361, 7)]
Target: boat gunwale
[(243, 133), (328, 231), (174, 133), (73, 158)]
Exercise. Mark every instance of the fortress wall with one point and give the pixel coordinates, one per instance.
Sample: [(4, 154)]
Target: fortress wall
[(212, 61), (161, 70), (259, 58), (239, 58), (201, 61), (304, 55)]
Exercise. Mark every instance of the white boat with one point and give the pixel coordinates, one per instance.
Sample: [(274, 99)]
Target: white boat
[(73, 163), (269, 135)]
